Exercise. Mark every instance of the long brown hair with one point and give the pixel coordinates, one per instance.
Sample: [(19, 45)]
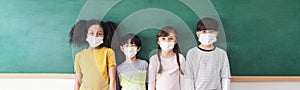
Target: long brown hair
[(164, 32)]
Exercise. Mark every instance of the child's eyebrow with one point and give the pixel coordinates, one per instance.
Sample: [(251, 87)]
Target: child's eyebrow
[(100, 31)]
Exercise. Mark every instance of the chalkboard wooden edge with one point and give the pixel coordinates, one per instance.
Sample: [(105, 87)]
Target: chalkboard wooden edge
[(233, 79), (265, 78)]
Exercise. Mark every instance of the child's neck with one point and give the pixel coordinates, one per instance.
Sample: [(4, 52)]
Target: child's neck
[(93, 48), (131, 60), (167, 54), (207, 47)]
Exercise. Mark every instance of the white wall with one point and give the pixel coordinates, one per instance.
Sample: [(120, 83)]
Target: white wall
[(68, 84), (36, 84)]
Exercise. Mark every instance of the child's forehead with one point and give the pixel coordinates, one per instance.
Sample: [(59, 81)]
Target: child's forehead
[(208, 30), (129, 41), (170, 35), (129, 44), (96, 28)]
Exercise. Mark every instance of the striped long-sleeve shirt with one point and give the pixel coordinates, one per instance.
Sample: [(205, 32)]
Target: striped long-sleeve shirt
[(205, 70)]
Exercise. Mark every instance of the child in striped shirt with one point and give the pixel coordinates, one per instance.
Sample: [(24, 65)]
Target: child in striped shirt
[(207, 66)]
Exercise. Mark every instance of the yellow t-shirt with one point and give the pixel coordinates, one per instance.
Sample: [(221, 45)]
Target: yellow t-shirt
[(93, 64)]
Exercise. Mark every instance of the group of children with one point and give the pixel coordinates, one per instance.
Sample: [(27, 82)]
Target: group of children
[(206, 67)]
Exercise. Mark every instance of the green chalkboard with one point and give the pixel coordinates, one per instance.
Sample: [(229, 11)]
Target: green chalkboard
[(260, 36), (146, 17), (34, 35)]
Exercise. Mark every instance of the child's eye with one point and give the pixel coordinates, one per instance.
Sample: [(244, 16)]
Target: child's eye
[(171, 38)]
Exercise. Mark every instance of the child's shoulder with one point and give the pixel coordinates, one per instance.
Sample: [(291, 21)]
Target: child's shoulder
[(180, 55), (194, 49), (121, 65), (220, 50), (81, 52), (154, 56), (107, 49), (143, 65), (143, 62)]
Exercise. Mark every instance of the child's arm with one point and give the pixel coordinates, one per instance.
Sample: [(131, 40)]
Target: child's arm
[(146, 82), (112, 77), (78, 74), (111, 69), (226, 84), (188, 74), (182, 78), (78, 79), (226, 74), (152, 71)]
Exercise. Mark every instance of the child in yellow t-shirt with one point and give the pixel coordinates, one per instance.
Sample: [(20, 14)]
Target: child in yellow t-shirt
[(95, 66)]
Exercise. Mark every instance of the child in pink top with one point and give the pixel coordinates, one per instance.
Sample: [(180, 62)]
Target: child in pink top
[(166, 67)]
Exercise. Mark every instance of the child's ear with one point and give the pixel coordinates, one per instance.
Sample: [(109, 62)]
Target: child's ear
[(198, 34), (217, 34), (122, 49), (138, 49)]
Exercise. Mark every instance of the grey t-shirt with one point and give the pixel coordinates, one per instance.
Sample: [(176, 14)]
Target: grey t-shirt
[(205, 69)]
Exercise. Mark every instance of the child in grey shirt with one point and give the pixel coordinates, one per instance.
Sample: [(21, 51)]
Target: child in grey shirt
[(132, 72)]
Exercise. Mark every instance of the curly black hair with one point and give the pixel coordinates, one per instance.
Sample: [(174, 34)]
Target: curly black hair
[(78, 33)]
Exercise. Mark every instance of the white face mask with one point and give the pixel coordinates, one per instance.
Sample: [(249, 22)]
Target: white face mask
[(166, 46), (207, 39), (94, 41), (130, 52)]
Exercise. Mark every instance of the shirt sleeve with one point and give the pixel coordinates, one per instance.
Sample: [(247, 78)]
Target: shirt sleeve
[(152, 71), (182, 63), (77, 64), (111, 58), (226, 74), (189, 84), (182, 79)]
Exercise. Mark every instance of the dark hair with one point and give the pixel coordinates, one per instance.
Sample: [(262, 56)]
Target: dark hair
[(109, 30), (207, 24), (134, 39), (164, 32), (78, 33)]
